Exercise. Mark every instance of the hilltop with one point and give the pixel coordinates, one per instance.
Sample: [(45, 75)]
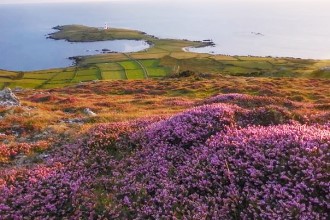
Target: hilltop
[(194, 136), (161, 148), (165, 57)]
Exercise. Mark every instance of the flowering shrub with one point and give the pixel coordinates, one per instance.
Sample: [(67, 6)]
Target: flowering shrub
[(321, 118), (249, 101), (216, 161), (270, 115), (43, 97), (7, 151), (178, 102), (61, 187), (107, 135), (276, 172), (71, 181), (69, 100), (192, 127), (116, 137)]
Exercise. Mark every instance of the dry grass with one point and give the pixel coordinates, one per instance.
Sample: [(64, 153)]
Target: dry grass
[(57, 115)]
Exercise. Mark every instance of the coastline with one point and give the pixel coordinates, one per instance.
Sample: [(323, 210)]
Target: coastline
[(163, 58)]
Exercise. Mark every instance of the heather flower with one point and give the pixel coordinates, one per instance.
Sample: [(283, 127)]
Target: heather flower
[(249, 101), (216, 161), (235, 173)]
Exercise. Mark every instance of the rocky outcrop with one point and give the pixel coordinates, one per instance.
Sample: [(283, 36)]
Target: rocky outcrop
[(89, 112), (8, 98)]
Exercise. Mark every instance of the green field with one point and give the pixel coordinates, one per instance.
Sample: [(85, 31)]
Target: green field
[(135, 74), (154, 68), (165, 57)]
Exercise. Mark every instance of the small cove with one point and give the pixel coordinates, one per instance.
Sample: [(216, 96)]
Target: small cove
[(57, 53)]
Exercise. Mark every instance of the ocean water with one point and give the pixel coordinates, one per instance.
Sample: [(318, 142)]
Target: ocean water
[(251, 27)]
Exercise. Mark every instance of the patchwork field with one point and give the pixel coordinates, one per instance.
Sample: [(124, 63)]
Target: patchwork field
[(107, 68), (165, 57)]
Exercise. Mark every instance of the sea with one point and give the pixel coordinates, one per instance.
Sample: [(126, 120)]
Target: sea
[(277, 28)]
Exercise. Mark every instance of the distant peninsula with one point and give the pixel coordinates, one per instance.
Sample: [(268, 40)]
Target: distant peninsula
[(80, 33), (164, 58)]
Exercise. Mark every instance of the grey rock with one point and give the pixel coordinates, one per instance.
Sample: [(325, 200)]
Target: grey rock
[(326, 68), (8, 98), (73, 121), (43, 156), (18, 89), (89, 112), (21, 159)]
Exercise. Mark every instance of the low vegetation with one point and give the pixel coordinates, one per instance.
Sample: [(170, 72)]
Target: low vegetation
[(186, 146)]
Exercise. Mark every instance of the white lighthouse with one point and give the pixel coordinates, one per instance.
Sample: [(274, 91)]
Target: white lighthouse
[(106, 26)]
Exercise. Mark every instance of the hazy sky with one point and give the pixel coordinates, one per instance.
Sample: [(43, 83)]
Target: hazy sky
[(38, 1), (46, 1)]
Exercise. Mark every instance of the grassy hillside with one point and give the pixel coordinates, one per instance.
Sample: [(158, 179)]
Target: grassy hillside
[(166, 134), (121, 100)]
